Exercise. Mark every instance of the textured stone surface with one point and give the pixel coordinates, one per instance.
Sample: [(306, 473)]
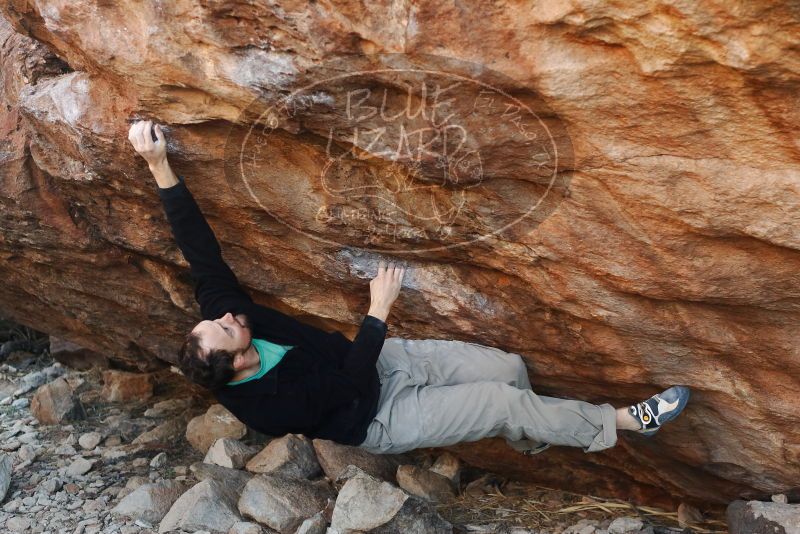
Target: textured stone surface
[(6, 464), (367, 504), (334, 459), (75, 356), (291, 455), (283, 503), (55, 402), (119, 386), (150, 502), (426, 484), (209, 505), (227, 452), (668, 256), (756, 517), (203, 430), (227, 475)]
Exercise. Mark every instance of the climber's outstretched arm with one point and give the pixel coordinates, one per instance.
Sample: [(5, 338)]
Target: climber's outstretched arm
[(216, 287)]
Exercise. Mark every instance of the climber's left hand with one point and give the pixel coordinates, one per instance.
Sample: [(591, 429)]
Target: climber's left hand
[(141, 137)]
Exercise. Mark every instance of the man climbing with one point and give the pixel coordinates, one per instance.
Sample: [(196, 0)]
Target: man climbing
[(279, 375)]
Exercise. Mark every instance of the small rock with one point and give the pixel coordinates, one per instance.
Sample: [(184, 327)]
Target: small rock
[(159, 460), (622, 525), (90, 440), (26, 453), (243, 527), (12, 506), (168, 407), (228, 452), (779, 498), (426, 484), (81, 466), (166, 432), (18, 523), (688, 515), (11, 445), (51, 485), (485, 484), (55, 402), (122, 451), (217, 422), (584, 526), (21, 403), (448, 466), (313, 525), (113, 440), (65, 450), (37, 379)]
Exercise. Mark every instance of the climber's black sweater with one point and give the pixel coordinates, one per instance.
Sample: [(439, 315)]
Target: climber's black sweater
[(325, 387)]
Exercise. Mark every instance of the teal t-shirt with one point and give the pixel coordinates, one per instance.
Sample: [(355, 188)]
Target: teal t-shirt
[(270, 355)]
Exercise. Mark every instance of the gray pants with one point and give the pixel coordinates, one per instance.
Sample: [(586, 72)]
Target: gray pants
[(437, 392)]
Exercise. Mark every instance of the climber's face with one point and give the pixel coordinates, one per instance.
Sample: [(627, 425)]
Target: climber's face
[(230, 333)]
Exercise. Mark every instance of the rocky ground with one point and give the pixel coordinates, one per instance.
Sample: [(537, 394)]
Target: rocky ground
[(108, 451)]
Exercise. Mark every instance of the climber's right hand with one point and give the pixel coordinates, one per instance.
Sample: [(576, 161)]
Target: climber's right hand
[(384, 289), (141, 137)]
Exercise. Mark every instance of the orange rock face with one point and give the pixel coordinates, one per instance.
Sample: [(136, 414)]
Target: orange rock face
[(611, 190)]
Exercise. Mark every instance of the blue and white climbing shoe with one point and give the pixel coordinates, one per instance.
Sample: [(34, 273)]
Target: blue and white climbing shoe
[(659, 409)]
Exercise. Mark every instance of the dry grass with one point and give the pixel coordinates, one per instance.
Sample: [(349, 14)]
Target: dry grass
[(544, 508)]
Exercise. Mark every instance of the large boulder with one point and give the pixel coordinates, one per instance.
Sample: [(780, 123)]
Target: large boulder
[(334, 459), (150, 502), (757, 517), (209, 505), (367, 504), (608, 189), (283, 503), (291, 455)]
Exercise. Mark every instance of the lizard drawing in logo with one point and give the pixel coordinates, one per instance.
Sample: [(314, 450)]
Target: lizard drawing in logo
[(425, 187)]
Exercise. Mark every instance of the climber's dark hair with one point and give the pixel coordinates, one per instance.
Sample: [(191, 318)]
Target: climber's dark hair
[(212, 372)]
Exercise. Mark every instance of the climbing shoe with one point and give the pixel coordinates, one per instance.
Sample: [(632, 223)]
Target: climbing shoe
[(659, 409)]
